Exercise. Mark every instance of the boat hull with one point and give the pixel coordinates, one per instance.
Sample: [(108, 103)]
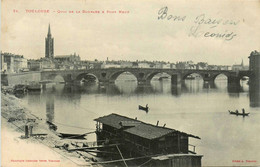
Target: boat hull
[(238, 114)]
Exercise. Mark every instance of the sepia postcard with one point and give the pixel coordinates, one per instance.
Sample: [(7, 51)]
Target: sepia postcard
[(130, 83)]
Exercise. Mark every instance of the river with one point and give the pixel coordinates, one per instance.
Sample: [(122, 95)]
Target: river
[(195, 108)]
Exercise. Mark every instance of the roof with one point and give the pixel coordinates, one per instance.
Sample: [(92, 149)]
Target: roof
[(137, 127), (129, 123)]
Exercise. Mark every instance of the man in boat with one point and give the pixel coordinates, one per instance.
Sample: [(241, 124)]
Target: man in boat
[(236, 111), (243, 111), (147, 108)]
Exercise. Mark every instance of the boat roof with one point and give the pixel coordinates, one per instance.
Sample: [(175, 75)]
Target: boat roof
[(137, 127)]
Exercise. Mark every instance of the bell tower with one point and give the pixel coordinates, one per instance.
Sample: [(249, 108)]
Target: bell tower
[(49, 45)]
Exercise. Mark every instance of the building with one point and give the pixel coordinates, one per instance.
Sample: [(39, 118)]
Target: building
[(47, 64), (20, 63), (49, 45), (41, 65), (12, 63), (73, 58), (138, 138), (202, 66), (126, 64), (239, 67), (143, 65), (34, 65), (110, 64), (173, 66), (166, 66)]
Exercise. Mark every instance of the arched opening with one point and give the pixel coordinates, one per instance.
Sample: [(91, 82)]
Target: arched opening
[(192, 76), (193, 82), (58, 79), (86, 78), (123, 76), (159, 76), (160, 82), (125, 81), (221, 81), (244, 83)]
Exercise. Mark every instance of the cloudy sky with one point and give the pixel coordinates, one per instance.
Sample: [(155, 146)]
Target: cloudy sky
[(137, 35)]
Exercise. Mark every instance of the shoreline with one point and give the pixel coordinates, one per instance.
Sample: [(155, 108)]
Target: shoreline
[(13, 121)]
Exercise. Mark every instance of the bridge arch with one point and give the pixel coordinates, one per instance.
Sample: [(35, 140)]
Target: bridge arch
[(219, 74), (115, 75), (54, 77), (59, 78), (86, 76), (153, 74), (189, 73)]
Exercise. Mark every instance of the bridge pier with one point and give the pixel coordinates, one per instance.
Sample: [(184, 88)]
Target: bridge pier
[(254, 80), (208, 79), (105, 81), (233, 84), (176, 79), (143, 82), (209, 84)]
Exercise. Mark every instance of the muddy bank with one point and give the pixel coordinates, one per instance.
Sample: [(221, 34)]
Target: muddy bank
[(15, 118)]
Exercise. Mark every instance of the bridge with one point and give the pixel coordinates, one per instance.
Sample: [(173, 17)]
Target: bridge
[(143, 75)]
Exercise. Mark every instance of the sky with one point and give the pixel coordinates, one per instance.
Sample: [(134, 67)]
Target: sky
[(141, 34)]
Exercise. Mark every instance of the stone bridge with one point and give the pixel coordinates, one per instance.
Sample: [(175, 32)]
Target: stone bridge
[(143, 75)]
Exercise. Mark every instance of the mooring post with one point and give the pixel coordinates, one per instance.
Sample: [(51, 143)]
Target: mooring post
[(26, 130), (30, 130), (157, 123)]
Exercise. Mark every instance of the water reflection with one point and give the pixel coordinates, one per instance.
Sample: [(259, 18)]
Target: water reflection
[(50, 108), (73, 93), (192, 106), (254, 95)]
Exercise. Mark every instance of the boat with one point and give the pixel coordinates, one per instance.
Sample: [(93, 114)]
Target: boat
[(73, 136), (34, 86), (52, 126), (237, 113), (146, 108), (190, 77), (19, 89)]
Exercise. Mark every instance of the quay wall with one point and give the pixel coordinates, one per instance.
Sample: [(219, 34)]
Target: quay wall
[(20, 78)]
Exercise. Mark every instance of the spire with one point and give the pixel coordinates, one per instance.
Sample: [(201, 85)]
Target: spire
[(242, 63), (49, 30)]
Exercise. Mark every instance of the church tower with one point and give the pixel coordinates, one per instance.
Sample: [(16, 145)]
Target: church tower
[(49, 45)]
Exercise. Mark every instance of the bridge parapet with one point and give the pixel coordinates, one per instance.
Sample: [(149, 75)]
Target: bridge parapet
[(143, 75)]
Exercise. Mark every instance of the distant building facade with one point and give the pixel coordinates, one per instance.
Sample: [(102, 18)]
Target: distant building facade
[(34, 65), (239, 67), (49, 45), (12, 63), (68, 58)]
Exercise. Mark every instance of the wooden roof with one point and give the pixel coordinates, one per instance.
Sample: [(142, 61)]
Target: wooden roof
[(137, 127)]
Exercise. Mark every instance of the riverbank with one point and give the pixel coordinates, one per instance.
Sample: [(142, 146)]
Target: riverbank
[(42, 148)]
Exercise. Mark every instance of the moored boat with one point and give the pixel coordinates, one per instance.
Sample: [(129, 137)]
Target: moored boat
[(34, 86), (71, 136)]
